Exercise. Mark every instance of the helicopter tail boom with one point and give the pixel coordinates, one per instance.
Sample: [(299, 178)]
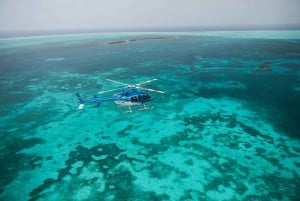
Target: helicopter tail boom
[(95, 99)]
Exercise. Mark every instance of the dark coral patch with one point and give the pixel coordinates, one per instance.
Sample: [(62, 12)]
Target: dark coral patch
[(263, 67), (160, 170), (255, 133), (119, 180), (125, 132), (12, 161), (188, 72), (82, 154)]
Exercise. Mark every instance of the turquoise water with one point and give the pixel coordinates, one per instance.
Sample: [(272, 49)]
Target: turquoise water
[(227, 127)]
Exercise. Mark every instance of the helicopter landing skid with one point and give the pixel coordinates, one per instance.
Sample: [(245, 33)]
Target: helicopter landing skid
[(145, 107), (130, 109)]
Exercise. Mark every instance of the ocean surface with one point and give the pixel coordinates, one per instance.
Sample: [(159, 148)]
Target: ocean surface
[(226, 128)]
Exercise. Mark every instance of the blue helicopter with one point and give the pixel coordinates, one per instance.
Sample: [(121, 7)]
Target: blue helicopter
[(130, 95)]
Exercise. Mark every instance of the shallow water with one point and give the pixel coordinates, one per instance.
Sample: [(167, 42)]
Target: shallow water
[(227, 127)]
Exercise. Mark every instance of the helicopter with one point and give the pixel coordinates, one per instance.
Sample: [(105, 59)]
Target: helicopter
[(130, 95)]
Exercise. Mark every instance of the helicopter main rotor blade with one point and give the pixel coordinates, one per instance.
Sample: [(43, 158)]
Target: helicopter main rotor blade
[(145, 82), (117, 82), (154, 90), (101, 92)]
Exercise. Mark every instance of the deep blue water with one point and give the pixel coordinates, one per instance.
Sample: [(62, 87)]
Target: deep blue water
[(227, 127)]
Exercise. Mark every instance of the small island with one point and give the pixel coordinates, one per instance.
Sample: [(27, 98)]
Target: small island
[(138, 39)]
